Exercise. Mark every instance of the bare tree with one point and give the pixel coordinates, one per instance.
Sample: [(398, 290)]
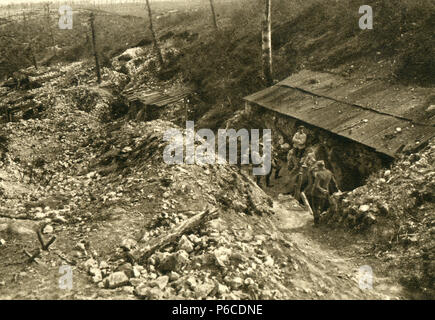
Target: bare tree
[(29, 49), (50, 30), (267, 43), (156, 45), (94, 47), (213, 14)]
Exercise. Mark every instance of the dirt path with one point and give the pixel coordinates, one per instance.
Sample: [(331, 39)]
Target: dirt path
[(330, 264), (327, 264)]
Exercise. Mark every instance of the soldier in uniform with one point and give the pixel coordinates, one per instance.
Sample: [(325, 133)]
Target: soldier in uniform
[(320, 192), (299, 140), (309, 166), (292, 161), (282, 150)]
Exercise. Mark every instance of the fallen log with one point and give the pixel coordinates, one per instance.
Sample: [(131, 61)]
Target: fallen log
[(19, 217), (307, 204), (165, 239)]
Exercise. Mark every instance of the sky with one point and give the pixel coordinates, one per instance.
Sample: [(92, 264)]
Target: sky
[(3, 2)]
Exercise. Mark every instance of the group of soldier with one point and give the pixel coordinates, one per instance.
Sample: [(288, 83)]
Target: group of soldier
[(311, 173)]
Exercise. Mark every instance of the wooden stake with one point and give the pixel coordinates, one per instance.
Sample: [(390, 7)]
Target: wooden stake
[(32, 257)]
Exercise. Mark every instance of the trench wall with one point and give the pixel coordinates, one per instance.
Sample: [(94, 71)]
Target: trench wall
[(350, 161)]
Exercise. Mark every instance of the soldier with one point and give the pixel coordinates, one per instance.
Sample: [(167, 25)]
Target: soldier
[(320, 192), (309, 165), (281, 155), (274, 165), (299, 140), (292, 161), (255, 155)]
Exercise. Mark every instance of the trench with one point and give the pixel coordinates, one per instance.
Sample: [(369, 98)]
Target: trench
[(350, 162)]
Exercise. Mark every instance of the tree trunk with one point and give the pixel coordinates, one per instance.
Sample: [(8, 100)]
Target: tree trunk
[(32, 53), (50, 31), (267, 44), (94, 48), (174, 235), (213, 14), (156, 45)]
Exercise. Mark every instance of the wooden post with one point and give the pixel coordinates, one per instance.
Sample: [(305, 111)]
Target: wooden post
[(94, 47), (213, 14), (156, 45), (267, 44)]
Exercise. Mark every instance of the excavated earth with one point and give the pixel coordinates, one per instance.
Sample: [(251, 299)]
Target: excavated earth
[(99, 188)]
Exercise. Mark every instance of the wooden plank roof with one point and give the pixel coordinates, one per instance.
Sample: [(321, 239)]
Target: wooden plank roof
[(368, 112), (157, 98)]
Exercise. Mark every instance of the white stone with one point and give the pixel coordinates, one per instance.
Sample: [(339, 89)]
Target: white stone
[(161, 282), (116, 280), (185, 244), (364, 208), (48, 229)]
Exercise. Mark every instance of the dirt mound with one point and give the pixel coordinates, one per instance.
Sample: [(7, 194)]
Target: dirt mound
[(136, 147)]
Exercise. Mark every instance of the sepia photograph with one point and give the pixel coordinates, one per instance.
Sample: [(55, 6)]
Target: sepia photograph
[(239, 151)]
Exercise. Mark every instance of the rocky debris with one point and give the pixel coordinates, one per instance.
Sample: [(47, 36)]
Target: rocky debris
[(389, 193), (223, 261), (97, 275), (160, 282), (166, 262), (128, 244), (185, 244), (127, 268), (148, 293), (90, 263), (396, 208), (174, 276), (116, 280)]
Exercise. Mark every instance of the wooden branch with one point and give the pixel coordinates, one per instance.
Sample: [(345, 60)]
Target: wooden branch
[(49, 243), (20, 217), (45, 246), (70, 262), (183, 228), (41, 240), (32, 258)]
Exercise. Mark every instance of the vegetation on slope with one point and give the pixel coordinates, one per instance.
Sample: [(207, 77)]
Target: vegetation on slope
[(319, 35)]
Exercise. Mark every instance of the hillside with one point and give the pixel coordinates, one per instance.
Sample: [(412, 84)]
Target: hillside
[(317, 35), (100, 188), (80, 170)]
